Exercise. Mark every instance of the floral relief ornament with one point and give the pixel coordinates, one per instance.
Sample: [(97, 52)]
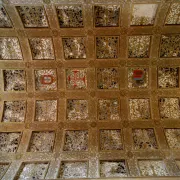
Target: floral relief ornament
[(70, 16), (76, 140), (144, 139), (139, 46), (33, 16), (14, 80), (170, 46), (152, 168), (5, 21), (10, 48)]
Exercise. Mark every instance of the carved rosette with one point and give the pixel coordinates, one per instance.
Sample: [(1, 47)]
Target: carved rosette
[(131, 31), (60, 64), (60, 125), (130, 154), (157, 122), (55, 32), (18, 156), (90, 33), (47, 1), (21, 33), (30, 95), (154, 62), (91, 63), (124, 31), (125, 124), (28, 64), (93, 124), (92, 94), (157, 30), (123, 93), (27, 125), (122, 63), (62, 94)]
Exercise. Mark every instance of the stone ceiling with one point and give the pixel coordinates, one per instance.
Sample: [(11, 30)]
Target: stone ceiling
[(89, 88)]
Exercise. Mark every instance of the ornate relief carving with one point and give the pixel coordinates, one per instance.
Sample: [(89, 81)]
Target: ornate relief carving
[(30, 95), (21, 33), (124, 93), (60, 126), (107, 47), (32, 16), (123, 31), (70, 16), (113, 168), (42, 141), (125, 123), (106, 16), (14, 111), (41, 48), (74, 48), (173, 16), (144, 139), (139, 46), (173, 138), (93, 124), (14, 80), (139, 109), (157, 123), (28, 125), (46, 110), (130, 154), (107, 78), (111, 140), (170, 46), (108, 109), (10, 48), (76, 141), (169, 108), (91, 63), (157, 31), (168, 77), (9, 141), (152, 168), (28, 64), (122, 63), (77, 109), (92, 94), (33, 171), (73, 170), (62, 94), (55, 32), (5, 22)]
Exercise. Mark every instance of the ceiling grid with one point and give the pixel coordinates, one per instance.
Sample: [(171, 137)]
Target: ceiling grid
[(119, 68)]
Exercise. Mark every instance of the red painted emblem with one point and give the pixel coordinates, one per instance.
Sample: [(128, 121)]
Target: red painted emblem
[(75, 78), (47, 79), (138, 74)]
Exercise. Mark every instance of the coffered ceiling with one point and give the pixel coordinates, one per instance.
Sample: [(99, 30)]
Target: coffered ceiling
[(89, 88)]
